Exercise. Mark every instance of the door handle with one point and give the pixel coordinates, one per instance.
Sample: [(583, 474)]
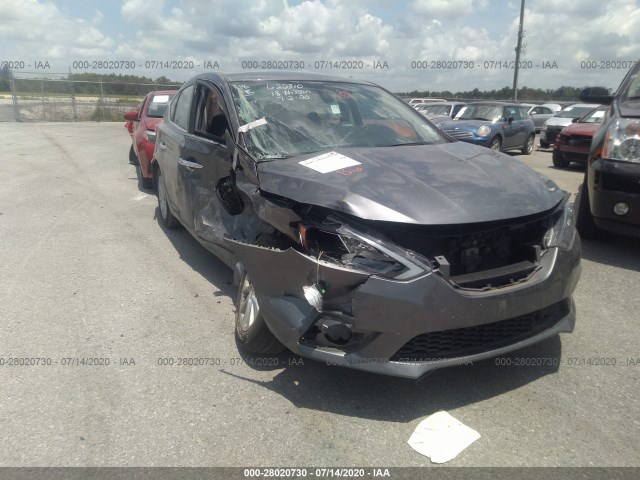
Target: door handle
[(188, 164), (162, 146)]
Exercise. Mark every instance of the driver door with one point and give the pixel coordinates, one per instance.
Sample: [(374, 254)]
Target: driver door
[(511, 129), (204, 163)]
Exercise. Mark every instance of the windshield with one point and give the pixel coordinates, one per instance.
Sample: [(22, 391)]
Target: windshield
[(435, 109), (280, 119), (491, 113), (158, 105), (573, 112), (594, 117), (633, 92)]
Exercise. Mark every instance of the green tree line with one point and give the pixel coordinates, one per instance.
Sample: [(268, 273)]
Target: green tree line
[(506, 93), (87, 84), (118, 84)]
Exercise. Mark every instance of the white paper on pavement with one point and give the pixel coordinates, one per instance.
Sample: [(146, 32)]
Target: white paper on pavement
[(441, 437)]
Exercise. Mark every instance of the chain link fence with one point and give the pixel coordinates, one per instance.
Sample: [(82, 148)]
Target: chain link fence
[(68, 100)]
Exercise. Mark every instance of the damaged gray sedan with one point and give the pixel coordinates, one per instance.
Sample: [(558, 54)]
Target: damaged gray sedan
[(361, 235)]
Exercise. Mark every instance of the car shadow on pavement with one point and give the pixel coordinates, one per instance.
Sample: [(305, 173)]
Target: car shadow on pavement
[(572, 167), (614, 250), (200, 259), (317, 386)]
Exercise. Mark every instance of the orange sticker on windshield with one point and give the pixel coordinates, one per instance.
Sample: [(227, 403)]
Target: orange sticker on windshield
[(350, 171)]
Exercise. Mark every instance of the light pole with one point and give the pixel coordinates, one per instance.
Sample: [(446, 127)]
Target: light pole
[(518, 47)]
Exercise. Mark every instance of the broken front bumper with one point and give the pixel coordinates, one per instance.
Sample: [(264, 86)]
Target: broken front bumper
[(408, 328)]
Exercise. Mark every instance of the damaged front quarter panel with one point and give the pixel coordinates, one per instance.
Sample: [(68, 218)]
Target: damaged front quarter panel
[(280, 277), (389, 318)]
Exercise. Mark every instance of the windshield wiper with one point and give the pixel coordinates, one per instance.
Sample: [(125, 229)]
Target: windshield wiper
[(409, 143)]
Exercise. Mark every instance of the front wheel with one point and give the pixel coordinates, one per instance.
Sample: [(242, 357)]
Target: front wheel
[(528, 147), (558, 160), (544, 144), (496, 144), (252, 331), (167, 218)]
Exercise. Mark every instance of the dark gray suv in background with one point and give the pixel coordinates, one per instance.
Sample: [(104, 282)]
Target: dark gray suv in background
[(609, 198)]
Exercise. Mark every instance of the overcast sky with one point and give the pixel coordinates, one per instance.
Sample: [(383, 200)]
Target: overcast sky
[(570, 37)]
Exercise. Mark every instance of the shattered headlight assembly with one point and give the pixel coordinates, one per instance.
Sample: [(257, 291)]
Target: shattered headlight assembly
[(354, 249), (151, 136), (622, 141), (562, 231)]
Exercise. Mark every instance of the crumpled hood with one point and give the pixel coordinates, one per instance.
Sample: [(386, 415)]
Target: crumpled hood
[(449, 183)]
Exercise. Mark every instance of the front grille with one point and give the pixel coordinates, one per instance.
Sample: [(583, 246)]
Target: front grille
[(481, 338), (620, 183), (552, 133), (576, 140), (460, 134), (478, 248)]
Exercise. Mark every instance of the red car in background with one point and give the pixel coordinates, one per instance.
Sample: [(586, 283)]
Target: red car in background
[(573, 143), (133, 159), (141, 124)]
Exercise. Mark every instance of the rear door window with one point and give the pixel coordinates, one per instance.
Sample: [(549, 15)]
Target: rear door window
[(182, 110)]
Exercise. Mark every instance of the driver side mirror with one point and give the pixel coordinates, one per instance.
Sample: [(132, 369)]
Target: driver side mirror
[(596, 95), (510, 120), (131, 115)]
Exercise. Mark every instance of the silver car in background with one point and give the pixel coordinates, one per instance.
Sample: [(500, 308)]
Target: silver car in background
[(438, 112), (563, 118), (541, 113)]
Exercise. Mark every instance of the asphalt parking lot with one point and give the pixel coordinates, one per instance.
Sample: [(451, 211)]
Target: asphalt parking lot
[(88, 273)]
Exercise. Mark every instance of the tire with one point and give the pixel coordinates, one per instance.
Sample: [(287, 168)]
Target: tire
[(143, 182), (544, 144), (528, 146), (133, 159), (584, 219), (146, 183), (558, 160), (495, 144), (252, 331), (166, 217)]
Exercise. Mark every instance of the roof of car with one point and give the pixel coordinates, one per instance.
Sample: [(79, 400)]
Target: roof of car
[(496, 102), (581, 105), (285, 75), (441, 103), (165, 92)]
